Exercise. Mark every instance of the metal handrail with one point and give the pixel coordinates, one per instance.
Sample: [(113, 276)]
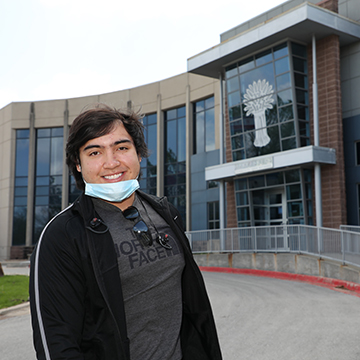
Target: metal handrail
[(337, 244)]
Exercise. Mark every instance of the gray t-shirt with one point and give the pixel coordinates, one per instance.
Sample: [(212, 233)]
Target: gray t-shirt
[(151, 282)]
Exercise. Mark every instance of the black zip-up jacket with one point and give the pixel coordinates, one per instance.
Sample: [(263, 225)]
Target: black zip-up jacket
[(76, 299)]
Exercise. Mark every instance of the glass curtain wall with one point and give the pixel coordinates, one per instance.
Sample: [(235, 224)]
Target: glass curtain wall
[(48, 177), (268, 102), (149, 165), (175, 158), (21, 187), (204, 126)]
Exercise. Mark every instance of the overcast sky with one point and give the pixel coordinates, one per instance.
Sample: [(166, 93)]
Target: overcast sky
[(55, 49)]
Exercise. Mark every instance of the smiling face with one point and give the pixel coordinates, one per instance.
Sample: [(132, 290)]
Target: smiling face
[(109, 159)]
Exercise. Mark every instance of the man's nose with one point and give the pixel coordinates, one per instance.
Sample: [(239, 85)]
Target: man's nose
[(111, 160)]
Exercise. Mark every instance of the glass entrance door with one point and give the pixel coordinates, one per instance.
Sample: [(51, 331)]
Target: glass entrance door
[(269, 214)]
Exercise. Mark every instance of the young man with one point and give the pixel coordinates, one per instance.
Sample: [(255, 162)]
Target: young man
[(112, 276)]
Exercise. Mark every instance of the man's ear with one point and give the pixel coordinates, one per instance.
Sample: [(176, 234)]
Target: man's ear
[(78, 168)]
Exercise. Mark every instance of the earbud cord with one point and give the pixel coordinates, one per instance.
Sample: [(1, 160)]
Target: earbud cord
[(163, 242)]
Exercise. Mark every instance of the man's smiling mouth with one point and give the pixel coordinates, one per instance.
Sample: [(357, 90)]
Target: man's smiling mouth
[(113, 177)]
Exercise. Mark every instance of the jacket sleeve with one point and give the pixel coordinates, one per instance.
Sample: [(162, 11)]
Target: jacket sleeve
[(57, 295)]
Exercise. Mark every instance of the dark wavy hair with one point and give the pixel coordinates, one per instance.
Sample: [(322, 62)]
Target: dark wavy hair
[(99, 121)]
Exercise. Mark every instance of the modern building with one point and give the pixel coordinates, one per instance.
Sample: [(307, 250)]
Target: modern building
[(263, 129)]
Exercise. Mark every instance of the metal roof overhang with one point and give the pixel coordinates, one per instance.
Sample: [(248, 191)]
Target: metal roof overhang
[(308, 155), (299, 23)]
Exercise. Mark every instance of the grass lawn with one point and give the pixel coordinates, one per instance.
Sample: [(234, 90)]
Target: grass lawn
[(14, 289)]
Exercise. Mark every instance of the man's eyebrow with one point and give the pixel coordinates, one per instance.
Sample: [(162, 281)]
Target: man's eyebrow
[(92, 146)]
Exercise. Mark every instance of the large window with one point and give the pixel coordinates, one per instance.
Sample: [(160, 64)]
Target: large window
[(175, 158), (204, 125), (149, 165), (268, 101), (48, 177), (213, 215), (21, 187)]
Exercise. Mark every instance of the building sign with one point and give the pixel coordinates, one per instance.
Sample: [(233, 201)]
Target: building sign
[(255, 164)]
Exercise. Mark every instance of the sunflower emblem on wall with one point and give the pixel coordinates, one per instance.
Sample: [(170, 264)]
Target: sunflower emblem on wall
[(258, 98)]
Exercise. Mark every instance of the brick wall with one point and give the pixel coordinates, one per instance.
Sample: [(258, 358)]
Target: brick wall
[(330, 128), (231, 217), (332, 5)]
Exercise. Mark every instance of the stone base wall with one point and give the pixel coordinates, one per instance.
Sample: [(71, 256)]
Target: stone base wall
[(287, 263)]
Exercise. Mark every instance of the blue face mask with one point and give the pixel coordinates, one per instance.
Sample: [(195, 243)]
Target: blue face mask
[(114, 192)]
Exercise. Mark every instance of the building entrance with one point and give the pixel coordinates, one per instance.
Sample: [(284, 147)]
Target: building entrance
[(269, 209)]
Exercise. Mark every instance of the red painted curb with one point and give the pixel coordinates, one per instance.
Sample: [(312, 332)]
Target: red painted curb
[(346, 287)]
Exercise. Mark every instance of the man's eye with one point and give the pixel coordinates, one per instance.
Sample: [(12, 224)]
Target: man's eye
[(94, 153), (122, 148)]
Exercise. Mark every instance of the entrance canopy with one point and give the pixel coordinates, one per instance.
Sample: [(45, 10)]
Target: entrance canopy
[(309, 155)]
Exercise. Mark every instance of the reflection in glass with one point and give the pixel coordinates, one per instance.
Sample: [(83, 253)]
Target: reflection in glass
[(175, 143), (237, 142), (243, 213), (264, 73), (238, 155), (148, 166), (43, 156), (19, 225), (21, 187), (285, 97), (263, 58), (274, 179), (265, 122), (293, 192), (234, 113), (231, 71), (280, 50), (282, 65), (292, 176), (233, 84), (283, 81), (56, 165), (247, 64), (240, 184), (49, 168), (289, 144), (234, 98), (242, 198), (204, 126), (287, 129), (286, 113), (171, 136), (255, 182), (236, 127), (210, 130)]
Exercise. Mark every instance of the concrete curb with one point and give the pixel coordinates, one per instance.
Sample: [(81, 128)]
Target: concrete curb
[(14, 308), (15, 263), (343, 286)]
